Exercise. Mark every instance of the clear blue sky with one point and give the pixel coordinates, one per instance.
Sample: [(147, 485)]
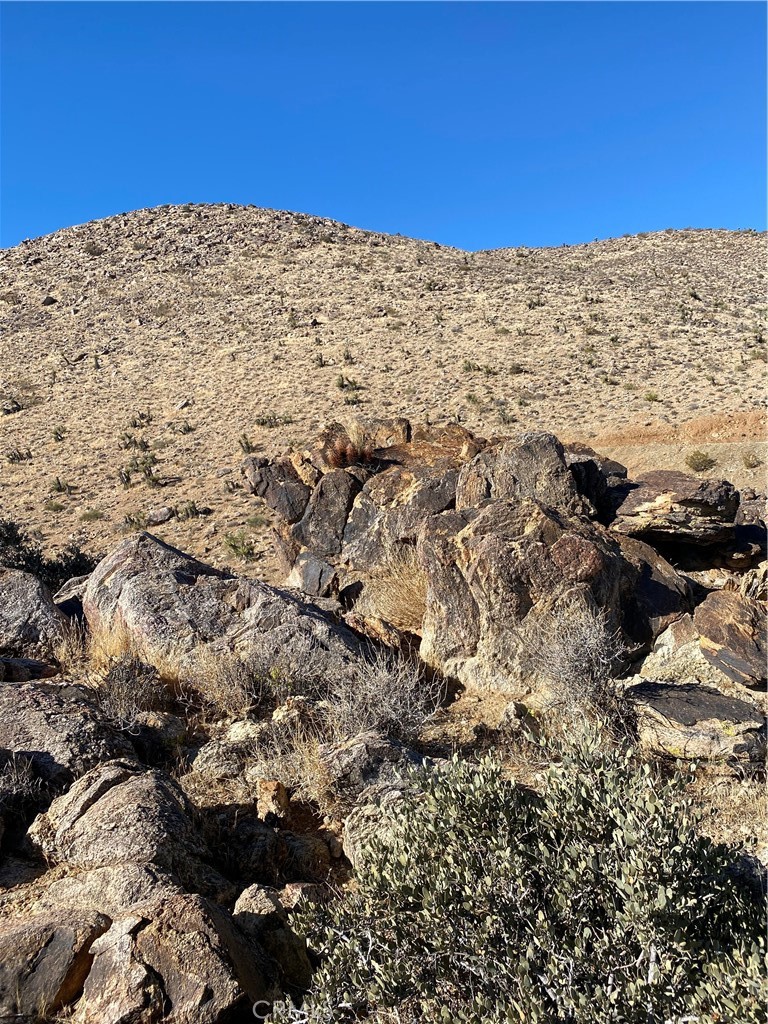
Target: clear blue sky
[(472, 124)]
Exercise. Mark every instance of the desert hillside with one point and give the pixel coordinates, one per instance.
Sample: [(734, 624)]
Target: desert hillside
[(142, 354)]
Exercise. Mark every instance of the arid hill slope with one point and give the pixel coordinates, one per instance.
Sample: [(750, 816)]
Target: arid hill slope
[(200, 324)]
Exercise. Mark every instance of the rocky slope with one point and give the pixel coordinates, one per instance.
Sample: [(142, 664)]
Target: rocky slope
[(166, 335)]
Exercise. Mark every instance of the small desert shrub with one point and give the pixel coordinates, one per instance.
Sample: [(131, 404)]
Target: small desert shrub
[(246, 444), (398, 591), (576, 646), (18, 455), (751, 460), (225, 684), (129, 688), (241, 545), (19, 783), (651, 396), (91, 515), (19, 551), (594, 901), (272, 419), (387, 694), (700, 461)]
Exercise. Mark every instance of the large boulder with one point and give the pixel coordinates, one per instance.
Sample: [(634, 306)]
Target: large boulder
[(498, 575), (530, 466), (732, 632), (59, 729), (44, 961), (180, 959), (175, 608), (30, 623), (685, 720), (123, 813), (667, 506)]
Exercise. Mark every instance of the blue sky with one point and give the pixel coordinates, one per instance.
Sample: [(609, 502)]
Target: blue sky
[(472, 124)]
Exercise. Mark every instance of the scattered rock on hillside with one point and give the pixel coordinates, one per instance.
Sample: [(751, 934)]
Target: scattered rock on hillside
[(30, 623), (690, 721)]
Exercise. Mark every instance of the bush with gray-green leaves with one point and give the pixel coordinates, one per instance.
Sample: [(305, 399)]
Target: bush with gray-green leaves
[(592, 901)]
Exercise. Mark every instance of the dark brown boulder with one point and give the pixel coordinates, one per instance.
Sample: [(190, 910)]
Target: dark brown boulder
[(44, 960), (530, 466), (732, 636), (322, 525), (278, 484), (497, 574), (666, 506)]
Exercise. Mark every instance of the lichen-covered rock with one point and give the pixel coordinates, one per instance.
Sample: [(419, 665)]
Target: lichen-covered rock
[(174, 607), (123, 813), (495, 573), (666, 506), (354, 765), (732, 631), (530, 466), (30, 623), (59, 727), (44, 960), (690, 721)]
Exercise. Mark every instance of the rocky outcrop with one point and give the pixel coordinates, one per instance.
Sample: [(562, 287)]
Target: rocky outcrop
[(123, 813), (667, 506), (59, 728), (181, 959), (44, 961), (685, 720), (732, 636), (496, 573), (174, 607), (30, 623), (353, 766)]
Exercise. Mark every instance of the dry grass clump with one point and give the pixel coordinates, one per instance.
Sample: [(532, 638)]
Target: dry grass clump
[(398, 592), (576, 647), (225, 684), (128, 690)]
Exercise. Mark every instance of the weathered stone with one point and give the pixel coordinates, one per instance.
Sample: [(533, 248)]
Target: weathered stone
[(30, 623), (44, 960), (495, 574), (530, 466), (161, 515), (22, 670), (69, 598), (180, 959), (370, 819), (754, 583), (732, 632), (174, 608), (122, 813), (669, 506), (59, 728), (278, 483), (312, 576), (322, 526), (690, 721), (354, 765), (261, 914)]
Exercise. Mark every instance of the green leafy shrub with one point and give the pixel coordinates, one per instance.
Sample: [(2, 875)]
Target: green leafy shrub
[(593, 901)]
